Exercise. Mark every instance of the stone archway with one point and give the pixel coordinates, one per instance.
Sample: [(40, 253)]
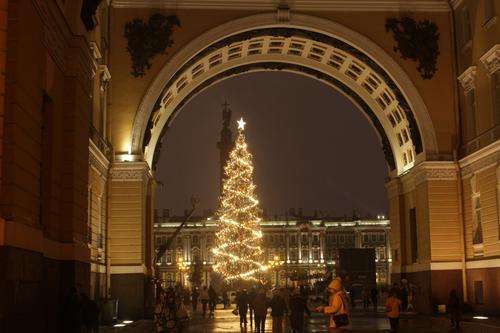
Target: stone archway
[(306, 45)]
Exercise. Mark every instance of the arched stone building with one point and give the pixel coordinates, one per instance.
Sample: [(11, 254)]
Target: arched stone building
[(79, 131)]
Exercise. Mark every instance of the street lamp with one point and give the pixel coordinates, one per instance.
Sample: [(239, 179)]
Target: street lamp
[(275, 264), (182, 268)]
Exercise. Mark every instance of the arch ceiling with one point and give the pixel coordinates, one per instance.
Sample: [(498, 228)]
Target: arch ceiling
[(367, 76)]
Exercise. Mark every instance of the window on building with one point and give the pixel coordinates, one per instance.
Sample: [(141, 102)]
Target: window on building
[(293, 239), (489, 10), (169, 257), (334, 239), (396, 255), (316, 238), (350, 238), (305, 255), (304, 238), (466, 25), (495, 97), (316, 254), (195, 240), (365, 238), (477, 229), (381, 253), (209, 239), (158, 241), (100, 237), (270, 254), (282, 254), (293, 254), (469, 116), (342, 239), (374, 238), (380, 237), (413, 234), (89, 216), (282, 238)]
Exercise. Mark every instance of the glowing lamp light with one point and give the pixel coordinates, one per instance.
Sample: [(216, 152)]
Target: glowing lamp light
[(127, 321), (119, 325), (480, 317)]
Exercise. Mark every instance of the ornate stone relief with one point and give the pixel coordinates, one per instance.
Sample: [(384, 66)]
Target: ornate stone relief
[(468, 79), (491, 59), (418, 41), (129, 171), (432, 171), (147, 39)]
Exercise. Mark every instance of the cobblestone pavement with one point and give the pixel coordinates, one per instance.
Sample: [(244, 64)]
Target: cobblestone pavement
[(362, 322)]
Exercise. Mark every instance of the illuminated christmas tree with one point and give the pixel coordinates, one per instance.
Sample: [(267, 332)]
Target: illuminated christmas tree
[(238, 250)]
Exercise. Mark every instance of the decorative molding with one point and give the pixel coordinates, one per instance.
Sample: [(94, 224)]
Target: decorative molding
[(456, 3), (98, 159), (147, 39), (298, 5), (105, 76), (128, 269), (480, 159), (129, 171), (435, 171), (426, 267), (418, 41), (483, 263), (490, 23), (468, 79), (491, 59)]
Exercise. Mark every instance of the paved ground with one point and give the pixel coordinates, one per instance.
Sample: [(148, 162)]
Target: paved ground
[(362, 322)]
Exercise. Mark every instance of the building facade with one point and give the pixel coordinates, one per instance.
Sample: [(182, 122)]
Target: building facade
[(301, 250)]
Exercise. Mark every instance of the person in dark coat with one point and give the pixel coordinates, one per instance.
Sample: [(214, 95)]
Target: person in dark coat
[(260, 305), (251, 297), (194, 299), (455, 309), (212, 300), (90, 315), (298, 305), (242, 306), (374, 297), (278, 307), (72, 312)]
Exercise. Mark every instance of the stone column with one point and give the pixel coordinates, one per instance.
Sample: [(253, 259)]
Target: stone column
[(130, 228)]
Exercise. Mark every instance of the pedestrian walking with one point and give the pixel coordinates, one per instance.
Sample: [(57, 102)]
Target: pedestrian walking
[(366, 298), (212, 300), (374, 297), (260, 305), (204, 299), (455, 309), (90, 315), (242, 306), (392, 309), (337, 307), (194, 299), (298, 306), (278, 308), (251, 298)]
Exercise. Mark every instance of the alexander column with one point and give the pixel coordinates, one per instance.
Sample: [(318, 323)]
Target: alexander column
[(226, 143)]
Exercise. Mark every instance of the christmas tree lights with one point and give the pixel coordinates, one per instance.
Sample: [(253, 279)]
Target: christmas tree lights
[(238, 239)]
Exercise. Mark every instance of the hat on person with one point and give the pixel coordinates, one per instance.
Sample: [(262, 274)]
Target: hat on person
[(336, 284)]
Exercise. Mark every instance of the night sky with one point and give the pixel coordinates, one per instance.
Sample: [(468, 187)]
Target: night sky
[(312, 148)]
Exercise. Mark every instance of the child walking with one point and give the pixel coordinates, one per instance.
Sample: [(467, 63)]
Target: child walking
[(392, 308)]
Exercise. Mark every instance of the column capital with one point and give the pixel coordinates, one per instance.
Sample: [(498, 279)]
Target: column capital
[(468, 79), (130, 171), (491, 59)]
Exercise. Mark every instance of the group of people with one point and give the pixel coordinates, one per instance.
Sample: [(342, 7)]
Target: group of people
[(80, 314), (281, 303)]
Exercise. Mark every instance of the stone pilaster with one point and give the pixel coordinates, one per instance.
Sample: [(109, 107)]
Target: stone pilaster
[(130, 222)]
